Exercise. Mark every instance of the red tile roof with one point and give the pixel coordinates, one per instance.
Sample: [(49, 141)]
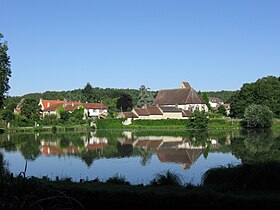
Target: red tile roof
[(52, 105), (49, 103), (94, 106)]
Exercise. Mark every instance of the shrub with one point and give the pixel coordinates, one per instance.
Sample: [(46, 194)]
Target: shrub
[(199, 120), (167, 178), (257, 116)]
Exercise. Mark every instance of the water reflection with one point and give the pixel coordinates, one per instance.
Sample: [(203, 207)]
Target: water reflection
[(147, 152), (90, 146)]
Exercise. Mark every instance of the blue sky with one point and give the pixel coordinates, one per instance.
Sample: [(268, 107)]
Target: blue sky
[(213, 44)]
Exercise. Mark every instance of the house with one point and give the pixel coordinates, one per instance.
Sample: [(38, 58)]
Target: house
[(215, 102), (93, 110), (184, 98), (154, 113), (227, 107)]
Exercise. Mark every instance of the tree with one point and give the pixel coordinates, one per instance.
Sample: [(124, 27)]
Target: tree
[(222, 110), (5, 71), (265, 91), (124, 102), (258, 116), (7, 115), (204, 96), (199, 120), (87, 92), (30, 108), (144, 97)]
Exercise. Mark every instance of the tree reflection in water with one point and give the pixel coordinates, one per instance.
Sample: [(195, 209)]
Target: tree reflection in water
[(179, 147)]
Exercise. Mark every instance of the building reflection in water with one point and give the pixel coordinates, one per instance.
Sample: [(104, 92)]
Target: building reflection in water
[(181, 150), (171, 149)]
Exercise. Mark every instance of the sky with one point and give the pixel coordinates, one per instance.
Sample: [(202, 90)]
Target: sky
[(214, 45)]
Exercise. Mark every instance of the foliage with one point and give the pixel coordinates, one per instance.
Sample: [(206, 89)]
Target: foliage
[(124, 102), (50, 120), (245, 176), (222, 110), (167, 178), (265, 91), (23, 192), (199, 120), (224, 95), (205, 97), (30, 108), (64, 117), (87, 93), (144, 98), (7, 115), (117, 179), (257, 116), (109, 123), (5, 71), (255, 145)]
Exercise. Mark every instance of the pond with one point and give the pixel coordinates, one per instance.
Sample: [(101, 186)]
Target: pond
[(135, 155)]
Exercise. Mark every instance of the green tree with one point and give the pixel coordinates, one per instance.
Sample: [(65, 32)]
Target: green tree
[(222, 110), (258, 116), (30, 108), (64, 116), (5, 71), (87, 92), (124, 102), (205, 98), (265, 91), (199, 120), (144, 97), (7, 115)]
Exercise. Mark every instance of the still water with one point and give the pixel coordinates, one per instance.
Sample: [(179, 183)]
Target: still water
[(136, 155)]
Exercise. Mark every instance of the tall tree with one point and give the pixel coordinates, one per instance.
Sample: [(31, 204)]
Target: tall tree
[(204, 96), (87, 92), (5, 71), (144, 97), (124, 102)]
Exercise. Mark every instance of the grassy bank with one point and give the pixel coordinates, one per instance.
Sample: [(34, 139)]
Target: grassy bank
[(220, 123), (48, 129), (244, 186)]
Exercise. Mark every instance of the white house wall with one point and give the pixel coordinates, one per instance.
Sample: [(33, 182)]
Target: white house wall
[(95, 112), (171, 115), (200, 107), (155, 117)]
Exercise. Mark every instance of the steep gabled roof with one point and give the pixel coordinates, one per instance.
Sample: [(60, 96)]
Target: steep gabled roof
[(180, 96), (182, 156)]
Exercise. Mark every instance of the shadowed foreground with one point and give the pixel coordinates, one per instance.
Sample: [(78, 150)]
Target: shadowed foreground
[(246, 186)]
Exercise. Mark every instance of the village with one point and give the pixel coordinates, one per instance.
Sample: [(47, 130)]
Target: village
[(179, 103)]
